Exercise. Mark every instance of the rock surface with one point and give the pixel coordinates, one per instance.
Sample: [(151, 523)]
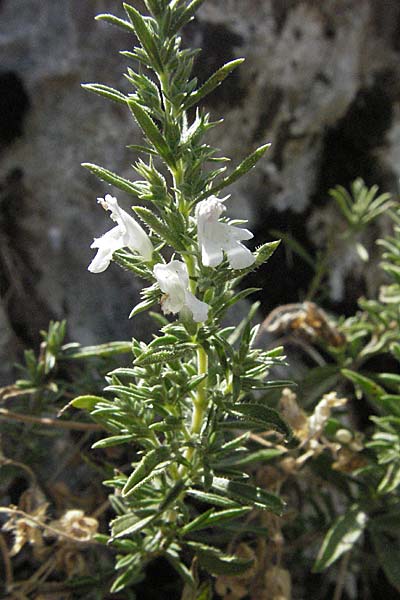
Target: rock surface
[(321, 82)]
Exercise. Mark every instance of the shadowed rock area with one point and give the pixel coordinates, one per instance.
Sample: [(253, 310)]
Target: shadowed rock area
[(321, 82)]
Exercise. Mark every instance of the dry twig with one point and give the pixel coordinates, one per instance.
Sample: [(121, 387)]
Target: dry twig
[(8, 414)]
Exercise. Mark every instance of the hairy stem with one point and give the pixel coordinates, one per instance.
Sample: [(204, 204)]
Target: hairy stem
[(201, 401)]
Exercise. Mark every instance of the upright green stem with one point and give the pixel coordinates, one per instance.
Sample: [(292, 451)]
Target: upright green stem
[(201, 401), (191, 268)]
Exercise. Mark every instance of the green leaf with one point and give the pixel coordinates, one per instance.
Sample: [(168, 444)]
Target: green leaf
[(243, 459), (129, 524), (161, 356), (144, 35), (391, 479), (264, 416), (264, 252), (248, 494), (146, 466), (218, 563), (141, 307), (141, 149), (241, 170), (212, 519), (341, 537), (110, 177), (125, 579), (155, 223), (114, 440), (172, 495), (116, 21), (362, 252), (100, 351), (180, 568), (151, 131), (86, 402), (237, 298), (371, 389), (185, 16), (213, 82), (106, 91), (214, 499)]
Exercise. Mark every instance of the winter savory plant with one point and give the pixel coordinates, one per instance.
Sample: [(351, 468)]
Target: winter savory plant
[(186, 406)]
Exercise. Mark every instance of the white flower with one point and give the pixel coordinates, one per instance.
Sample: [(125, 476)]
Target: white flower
[(127, 233), (215, 237), (173, 280)]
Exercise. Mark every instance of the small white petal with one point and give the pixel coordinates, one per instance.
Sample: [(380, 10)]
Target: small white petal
[(215, 237), (198, 308), (107, 244), (173, 280), (211, 254), (240, 257), (126, 234), (173, 283)]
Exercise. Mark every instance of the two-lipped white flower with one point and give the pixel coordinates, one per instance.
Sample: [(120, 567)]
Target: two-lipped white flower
[(126, 234), (173, 279), (215, 237)]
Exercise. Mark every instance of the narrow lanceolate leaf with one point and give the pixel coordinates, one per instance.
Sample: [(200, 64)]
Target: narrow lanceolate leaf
[(238, 297), (264, 252), (245, 458), (180, 568), (372, 390), (86, 402), (241, 170), (129, 524), (116, 21), (151, 131), (101, 350), (115, 440), (248, 495), (160, 468), (185, 16), (153, 357), (155, 6), (214, 499), (141, 307), (218, 563), (146, 466), (172, 495), (144, 35), (154, 222), (106, 91), (213, 82), (263, 415), (211, 518), (110, 177), (341, 537)]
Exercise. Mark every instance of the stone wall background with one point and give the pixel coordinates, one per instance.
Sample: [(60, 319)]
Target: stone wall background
[(321, 82)]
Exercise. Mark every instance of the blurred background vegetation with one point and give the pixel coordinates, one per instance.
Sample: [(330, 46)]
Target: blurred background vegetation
[(321, 82)]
